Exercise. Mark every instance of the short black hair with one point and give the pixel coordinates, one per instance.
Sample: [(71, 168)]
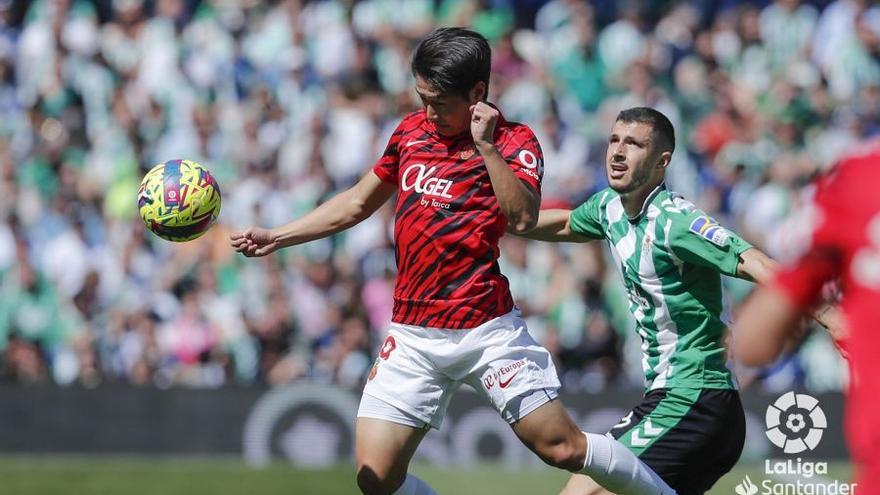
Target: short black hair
[(660, 124), (453, 60)]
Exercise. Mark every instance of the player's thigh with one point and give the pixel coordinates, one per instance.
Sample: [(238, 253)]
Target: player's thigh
[(383, 449), (511, 366), (551, 433), (405, 378), (581, 484)]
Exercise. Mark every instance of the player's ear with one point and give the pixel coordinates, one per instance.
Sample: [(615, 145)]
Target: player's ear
[(477, 93), (665, 159)]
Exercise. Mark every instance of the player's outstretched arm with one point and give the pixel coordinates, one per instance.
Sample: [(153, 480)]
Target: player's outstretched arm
[(553, 226), (340, 212), (758, 267), (755, 266), (764, 326)]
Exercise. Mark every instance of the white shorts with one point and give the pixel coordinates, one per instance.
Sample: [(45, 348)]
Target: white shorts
[(418, 370)]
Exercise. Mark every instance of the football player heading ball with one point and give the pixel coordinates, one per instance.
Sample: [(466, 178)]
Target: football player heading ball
[(463, 175)]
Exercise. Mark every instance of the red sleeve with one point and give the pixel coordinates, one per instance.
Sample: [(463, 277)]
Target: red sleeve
[(386, 167), (803, 281), (523, 155), (822, 258)]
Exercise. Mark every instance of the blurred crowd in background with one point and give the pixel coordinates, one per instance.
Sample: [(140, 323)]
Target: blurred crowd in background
[(289, 101)]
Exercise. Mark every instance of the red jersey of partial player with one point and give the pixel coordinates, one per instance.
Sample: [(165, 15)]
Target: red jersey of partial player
[(448, 221), (845, 242)]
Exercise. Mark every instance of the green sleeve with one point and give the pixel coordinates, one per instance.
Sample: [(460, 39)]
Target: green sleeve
[(585, 220), (697, 238)]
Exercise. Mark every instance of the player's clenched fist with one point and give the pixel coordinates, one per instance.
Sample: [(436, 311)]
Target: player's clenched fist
[(483, 120), (254, 242)]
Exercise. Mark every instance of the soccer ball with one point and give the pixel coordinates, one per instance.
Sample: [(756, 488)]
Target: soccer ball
[(179, 200)]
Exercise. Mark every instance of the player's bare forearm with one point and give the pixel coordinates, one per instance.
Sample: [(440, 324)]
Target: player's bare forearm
[(756, 266), (339, 213), (517, 201), (553, 226), (764, 325), (831, 318)]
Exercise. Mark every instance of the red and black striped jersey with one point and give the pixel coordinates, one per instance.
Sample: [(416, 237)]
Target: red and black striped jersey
[(448, 221)]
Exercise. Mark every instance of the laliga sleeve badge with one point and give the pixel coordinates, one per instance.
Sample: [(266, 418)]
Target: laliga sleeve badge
[(709, 229)]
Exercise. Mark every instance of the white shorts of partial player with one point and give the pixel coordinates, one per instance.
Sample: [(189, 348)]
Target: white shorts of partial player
[(419, 369)]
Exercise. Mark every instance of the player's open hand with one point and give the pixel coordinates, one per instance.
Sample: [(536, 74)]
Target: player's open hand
[(483, 120), (254, 242)]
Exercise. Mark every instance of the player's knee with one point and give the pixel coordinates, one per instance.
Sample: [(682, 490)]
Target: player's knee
[(376, 481), (563, 454), (579, 484)]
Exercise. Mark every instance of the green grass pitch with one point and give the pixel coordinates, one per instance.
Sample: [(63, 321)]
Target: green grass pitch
[(146, 476)]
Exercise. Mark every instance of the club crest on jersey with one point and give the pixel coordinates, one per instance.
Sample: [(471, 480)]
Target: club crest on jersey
[(709, 229), (467, 152)]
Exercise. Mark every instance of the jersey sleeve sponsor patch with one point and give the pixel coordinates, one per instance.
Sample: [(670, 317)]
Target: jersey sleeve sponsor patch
[(523, 154), (709, 229)]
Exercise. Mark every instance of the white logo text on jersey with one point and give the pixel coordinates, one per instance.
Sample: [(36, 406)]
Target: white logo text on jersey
[(422, 179), (532, 165)]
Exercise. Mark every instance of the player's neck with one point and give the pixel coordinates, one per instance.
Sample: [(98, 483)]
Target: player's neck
[(634, 202)]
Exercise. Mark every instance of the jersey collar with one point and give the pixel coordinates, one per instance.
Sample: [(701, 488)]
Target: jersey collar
[(647, 203)]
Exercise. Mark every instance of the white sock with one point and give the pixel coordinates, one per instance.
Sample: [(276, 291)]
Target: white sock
[(414, 486), (618, 470)]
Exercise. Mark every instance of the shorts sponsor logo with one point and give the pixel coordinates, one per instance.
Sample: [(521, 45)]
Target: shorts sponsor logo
[(489, 381), (504, 375), (505, 383)]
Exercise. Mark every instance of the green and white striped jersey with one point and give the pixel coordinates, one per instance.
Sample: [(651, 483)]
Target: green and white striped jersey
[(671, 256)]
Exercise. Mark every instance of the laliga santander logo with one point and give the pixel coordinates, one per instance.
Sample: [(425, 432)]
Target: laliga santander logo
[(795, 423), (747, 487)]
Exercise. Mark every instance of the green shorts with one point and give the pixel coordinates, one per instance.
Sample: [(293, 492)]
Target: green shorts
[(690, 437)]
